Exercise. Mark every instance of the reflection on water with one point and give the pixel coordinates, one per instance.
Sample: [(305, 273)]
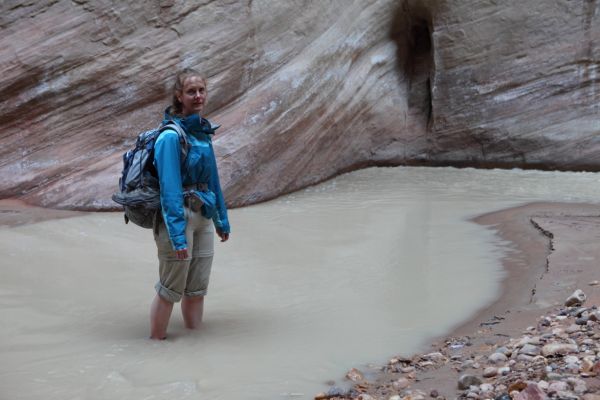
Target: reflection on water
[(355, 270)]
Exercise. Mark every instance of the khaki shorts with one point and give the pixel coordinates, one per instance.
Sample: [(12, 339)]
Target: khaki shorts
[(189, 277)]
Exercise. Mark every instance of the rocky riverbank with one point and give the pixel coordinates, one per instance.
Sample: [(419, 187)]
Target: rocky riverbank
[(558, 357), (540, 340)]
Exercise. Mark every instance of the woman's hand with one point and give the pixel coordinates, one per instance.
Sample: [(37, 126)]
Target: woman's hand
[(181, 254), (224, 236)]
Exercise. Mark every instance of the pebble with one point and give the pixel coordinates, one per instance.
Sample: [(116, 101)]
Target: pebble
[(490, 372), (578, 385), (531, 392), (400, 384), (526, 340), (466, 381), (553, 376), (543, 385), (517, 386), (553, 349), (435, 357), (571, 359), (530, 350), (503, 370), (524, 357), (497, 358), (576, 299), (567, 395), (558, 386), (587, 364), (416, 395), (594, 283), (486, 387), (545, 321), (355, 375), (365, 396), (504, 350), (336, 392)]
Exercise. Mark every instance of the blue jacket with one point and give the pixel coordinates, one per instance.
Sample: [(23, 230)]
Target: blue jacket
[(200, 166)]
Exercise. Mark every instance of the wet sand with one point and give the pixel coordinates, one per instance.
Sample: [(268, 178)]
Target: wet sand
[(554, 252), (16, 212)]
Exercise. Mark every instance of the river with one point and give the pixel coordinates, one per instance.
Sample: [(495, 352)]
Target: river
[(355, 270)]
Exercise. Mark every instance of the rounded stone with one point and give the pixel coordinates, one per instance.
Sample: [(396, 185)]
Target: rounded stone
[(573, 328), (466, 381), (530, 350), (553, 376), (486, 387), (524, 357), (497, 358), (553, 349), (558, 386), (400, 384), (576, 299), (490, 372), (571, 360)]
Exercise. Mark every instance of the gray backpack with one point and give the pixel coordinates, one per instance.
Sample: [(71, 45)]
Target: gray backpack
[(139, 191)]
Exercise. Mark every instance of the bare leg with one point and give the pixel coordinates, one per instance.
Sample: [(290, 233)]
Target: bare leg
[(160, 313), (192, 308)]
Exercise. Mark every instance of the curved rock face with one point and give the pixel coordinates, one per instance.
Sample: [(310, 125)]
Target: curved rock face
[(517, 83), (303, 90)]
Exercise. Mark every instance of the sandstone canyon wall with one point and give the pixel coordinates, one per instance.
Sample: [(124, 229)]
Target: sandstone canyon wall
[(303, 90)]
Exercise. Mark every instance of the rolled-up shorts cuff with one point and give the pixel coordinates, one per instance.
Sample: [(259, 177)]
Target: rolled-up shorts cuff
[(196, 293), (167, 294)]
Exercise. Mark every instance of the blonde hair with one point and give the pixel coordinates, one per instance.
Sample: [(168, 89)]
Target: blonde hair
[(176, 106)]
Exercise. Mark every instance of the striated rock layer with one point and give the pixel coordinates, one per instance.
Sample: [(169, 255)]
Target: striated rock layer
[(303, 90)]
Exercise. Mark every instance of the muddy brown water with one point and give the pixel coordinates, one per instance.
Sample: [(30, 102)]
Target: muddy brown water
[(360, 268)]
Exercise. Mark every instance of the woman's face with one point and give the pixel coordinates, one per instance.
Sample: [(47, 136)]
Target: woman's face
[(193, 95)]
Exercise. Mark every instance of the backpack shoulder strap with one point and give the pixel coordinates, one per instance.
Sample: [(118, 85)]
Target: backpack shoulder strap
[(182, 137)]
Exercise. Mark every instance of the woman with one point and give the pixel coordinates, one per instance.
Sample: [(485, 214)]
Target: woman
[(191, 196)]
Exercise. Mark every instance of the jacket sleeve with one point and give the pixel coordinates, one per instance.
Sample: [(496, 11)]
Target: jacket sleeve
[(167, 160), (220, 219)]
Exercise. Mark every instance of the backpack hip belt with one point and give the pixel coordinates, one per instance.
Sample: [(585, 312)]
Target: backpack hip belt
[(192, 201)]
